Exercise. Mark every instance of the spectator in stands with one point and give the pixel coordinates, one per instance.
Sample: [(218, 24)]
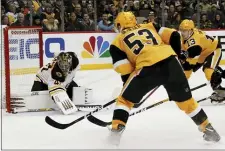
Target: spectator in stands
[(78, 12), (152, 17), (24, 8), (37, 20), (36, 5), (171, 12), (205, 6), (176, 21), (50, 24), (136, 7), (113, 11), (90, 11), (57, 10), (42, 6), (52, 2), (72, 5), (131, 7), (120, 6), (105, 24), (168, 2), (186, 12), (88, 24), (214, 11), (179, 7), (144, 6), (84, 4), (48, 13), (11, 13), (73, 24), (102, 7), (5, 20), (205, 23), (218, 22), (20, 21), (2, 11)]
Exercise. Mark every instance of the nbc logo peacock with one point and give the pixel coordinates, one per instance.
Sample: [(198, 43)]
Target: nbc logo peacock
[(96, 43)]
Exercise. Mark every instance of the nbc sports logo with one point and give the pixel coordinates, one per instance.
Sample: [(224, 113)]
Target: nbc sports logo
[(95, 48)]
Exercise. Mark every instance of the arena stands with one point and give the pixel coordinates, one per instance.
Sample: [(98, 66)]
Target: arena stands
[(98, 15)]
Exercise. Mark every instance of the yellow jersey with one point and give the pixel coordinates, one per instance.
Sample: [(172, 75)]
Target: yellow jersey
[(140, 46), (199, 45)]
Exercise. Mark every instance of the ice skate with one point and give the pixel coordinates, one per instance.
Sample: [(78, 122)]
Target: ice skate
[(218, 96), (115, 135), (210, 134)]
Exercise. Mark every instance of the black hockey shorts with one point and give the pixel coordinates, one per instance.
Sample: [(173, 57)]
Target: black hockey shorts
[(40, 86), (168, 73)]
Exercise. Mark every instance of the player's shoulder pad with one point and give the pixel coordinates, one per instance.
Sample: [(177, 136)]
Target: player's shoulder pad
[(151, 25), (116, 41)]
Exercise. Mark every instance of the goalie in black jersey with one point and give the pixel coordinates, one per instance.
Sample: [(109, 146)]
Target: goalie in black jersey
[(57, 78)]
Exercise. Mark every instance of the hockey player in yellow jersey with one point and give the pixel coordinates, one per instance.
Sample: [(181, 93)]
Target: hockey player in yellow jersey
[(142, 54), (207, 50)]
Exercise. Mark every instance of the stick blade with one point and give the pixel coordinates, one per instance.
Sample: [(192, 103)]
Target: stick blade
[(97, 121), (55, 124)]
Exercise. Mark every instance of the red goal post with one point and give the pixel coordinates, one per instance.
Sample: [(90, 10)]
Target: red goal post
[(22, 56)]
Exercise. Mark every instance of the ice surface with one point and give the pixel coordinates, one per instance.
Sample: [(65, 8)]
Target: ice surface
[(162, 127)]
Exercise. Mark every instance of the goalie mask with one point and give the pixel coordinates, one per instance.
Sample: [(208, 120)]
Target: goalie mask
[(64, 61)]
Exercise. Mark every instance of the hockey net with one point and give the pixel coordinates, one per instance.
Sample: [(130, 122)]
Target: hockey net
[(22, 56)]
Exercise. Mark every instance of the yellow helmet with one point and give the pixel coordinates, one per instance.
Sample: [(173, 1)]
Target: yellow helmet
[(187, 25), (125, 20)]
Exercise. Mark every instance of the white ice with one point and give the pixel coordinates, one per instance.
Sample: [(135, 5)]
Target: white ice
[(162, 127)]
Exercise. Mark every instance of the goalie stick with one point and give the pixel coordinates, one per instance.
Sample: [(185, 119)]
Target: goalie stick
[(55, 124), (99, 122), (80, 107)]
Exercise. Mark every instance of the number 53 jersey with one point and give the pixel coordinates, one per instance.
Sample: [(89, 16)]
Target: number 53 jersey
[(200, 45), (139, 46)]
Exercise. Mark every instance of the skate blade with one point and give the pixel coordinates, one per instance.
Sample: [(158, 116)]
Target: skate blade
[(215, 145)]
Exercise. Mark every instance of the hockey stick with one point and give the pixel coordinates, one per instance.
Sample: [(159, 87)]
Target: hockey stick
[(99, 122), (139, 104), (55, 124), (79, 107)]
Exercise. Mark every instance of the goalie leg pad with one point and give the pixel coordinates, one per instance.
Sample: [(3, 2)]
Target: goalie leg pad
[(82, 95), (64, 103)]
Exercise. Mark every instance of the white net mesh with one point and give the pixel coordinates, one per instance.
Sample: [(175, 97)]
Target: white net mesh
[(24, 59), (2, 82)]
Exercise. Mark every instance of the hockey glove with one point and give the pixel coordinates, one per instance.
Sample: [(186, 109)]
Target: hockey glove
[(197, 66), (183, 55), (187, 66), (216, 79), (219, 69)]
